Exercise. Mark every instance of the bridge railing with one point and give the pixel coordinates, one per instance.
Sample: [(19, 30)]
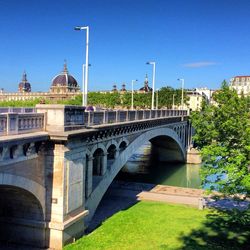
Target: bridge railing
[(58, 118), (108, 117), (19, 123), (17, 110)]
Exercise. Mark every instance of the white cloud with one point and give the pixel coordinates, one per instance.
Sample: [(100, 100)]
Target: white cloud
[(199, 64)]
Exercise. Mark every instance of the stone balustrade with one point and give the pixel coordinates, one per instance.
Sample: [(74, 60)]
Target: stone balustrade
[(17, 110), (116, 116), (20, 123), (60, 118)]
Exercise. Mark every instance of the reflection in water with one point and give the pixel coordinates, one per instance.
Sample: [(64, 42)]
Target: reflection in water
[(144, 167)]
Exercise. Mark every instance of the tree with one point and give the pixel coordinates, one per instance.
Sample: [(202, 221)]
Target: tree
[(222, 132)]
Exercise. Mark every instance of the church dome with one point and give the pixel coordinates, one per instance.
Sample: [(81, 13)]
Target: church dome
[(65, 81), (24, 85), (146, 88)]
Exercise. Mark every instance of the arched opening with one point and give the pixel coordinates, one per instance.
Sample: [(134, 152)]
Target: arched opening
[(21, 218), (166, 149), (98, 162), (122, 145), (111, 152)]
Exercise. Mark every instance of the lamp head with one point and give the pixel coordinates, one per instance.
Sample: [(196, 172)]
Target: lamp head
[(151, 62), (77, 28)]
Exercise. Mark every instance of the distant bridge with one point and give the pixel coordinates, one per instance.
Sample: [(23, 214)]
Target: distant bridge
[(57, 163)]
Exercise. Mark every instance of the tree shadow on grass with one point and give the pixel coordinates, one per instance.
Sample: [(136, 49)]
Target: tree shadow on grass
[(223, 229)]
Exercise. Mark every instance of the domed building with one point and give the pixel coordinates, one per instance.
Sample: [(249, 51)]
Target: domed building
[(24, 85), (145, 88), (64, 86), (123, 89), (64, 83)]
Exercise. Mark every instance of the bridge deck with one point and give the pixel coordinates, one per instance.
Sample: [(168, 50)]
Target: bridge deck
[(9, 139)]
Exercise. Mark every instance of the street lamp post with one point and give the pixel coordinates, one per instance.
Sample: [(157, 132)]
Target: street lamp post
[(85, 74), (83, 84), (173, 100), (182, 91), (132, 94), (153, 84), (157, 94)]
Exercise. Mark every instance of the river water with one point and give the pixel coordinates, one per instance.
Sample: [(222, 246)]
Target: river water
[(143, 166)]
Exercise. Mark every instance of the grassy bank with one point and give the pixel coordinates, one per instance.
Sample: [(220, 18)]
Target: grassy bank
[(155, 225), (147, 225)]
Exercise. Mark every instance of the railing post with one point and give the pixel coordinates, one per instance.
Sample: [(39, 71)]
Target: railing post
[(88, 122), (12, 124), (116, 116), (104, 117), (45, 120)]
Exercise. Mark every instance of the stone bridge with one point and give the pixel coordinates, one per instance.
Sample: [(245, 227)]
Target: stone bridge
[(56, 165)]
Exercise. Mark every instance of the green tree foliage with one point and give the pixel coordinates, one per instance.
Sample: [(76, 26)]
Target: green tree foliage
[(20, 103), (123, 100), (222, 132), (112, 100), (166, 96)]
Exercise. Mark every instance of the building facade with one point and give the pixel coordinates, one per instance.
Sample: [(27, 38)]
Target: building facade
[(241, 84), (195, 99), (64, 86)]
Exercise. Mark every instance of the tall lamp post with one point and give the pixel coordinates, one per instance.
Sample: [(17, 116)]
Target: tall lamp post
[(132, 94), (173, 100), (157, 95), (182, 93), (153, 84), (85, 74)]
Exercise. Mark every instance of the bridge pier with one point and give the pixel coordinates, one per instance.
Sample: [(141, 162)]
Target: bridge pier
[(89, 175), (104, 163), (65, 196)]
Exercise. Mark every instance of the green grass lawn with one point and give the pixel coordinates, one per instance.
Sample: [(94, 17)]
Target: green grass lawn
[(155, 225)]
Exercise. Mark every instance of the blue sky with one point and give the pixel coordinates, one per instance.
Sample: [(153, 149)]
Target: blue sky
[(201, 41)]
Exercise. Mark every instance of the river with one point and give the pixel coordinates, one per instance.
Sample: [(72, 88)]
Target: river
[(144, 167)]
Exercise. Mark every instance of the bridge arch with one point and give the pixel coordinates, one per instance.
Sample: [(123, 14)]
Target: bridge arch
[(112, 152), (154, 135), (22, 211), (112, 142), (21, 182), (123, 143), (112, 148), (98, 146)]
